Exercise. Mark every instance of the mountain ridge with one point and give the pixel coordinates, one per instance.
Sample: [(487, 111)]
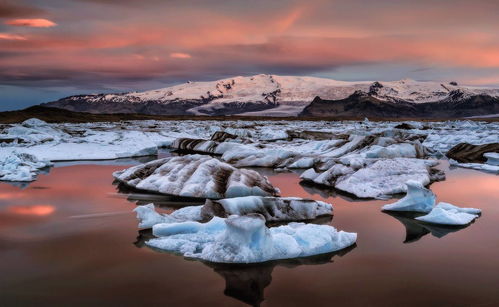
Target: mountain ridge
[(265, 95)]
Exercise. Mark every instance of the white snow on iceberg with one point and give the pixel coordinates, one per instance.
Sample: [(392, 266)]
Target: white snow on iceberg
[(246, 239), (376, 180), (148, 216), (486, 167), (447, 214), (20, 166), (418, 199)]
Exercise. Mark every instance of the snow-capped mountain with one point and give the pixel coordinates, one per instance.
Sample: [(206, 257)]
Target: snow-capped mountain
[(264, 95)]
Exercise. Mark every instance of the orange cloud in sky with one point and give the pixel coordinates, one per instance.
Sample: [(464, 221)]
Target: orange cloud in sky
[(14, 37), (35, 23)]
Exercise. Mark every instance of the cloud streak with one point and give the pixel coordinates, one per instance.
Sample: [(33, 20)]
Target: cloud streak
[(11, 37), (35, 23)]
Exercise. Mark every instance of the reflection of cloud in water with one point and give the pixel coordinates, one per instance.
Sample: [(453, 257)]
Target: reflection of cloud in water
[(247, 282), (39, 210), (415, 229)]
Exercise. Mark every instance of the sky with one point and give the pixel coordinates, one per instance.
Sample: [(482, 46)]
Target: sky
[(50, 49)]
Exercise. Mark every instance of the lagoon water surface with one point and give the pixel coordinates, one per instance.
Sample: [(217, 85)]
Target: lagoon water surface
[(70, 238)]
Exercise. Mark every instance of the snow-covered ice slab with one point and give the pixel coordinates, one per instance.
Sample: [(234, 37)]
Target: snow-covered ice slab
[(272, 208), (148, 216), (418, 199), (447, 214), (246, 239), (20, 166), (477, 166), (196, 176), (64, 142), (373, 180)]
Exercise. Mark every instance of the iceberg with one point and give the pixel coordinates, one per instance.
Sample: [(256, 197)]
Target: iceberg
[(485, 167), (492, 158), (16, 166), (148, 216), (246, 239), (385, 177), (418, 199), (272, 208), (195, 176), (447, 214)]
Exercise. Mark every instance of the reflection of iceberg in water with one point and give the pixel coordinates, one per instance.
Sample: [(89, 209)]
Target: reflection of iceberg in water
[(416, 229), (159, 200), (247, 282)]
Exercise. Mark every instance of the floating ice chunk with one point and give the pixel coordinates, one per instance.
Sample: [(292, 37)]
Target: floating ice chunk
[(447, 206), (355, 141), (492, 158), (486, 167), (246, 239), (403, 150), (148, 216), (250, 156), (16, 166), (447, 214), (309, 175), (34, 123), (418, 199), (305, 162), (272, 208), (196, 176), (384, 177)]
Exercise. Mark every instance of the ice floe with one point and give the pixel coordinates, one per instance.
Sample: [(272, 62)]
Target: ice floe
[(246, 239), (420, 199), (20, 166), (374, 178), (272, 208), (196, 176), (486, 167), (447, 214)]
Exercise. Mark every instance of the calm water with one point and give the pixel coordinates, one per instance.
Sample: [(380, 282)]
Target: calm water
[(71, 239)]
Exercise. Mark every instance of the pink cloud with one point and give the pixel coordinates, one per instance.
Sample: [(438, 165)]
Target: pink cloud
[(14, 37), (180, 55), (35, 23)]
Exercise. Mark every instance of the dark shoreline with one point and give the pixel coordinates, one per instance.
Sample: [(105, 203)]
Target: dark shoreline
[(55, 115)]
